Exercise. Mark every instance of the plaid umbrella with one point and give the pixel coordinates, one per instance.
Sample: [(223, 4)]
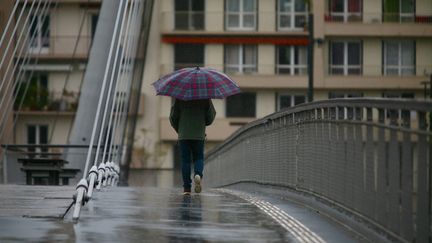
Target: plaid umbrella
[(196, 84)]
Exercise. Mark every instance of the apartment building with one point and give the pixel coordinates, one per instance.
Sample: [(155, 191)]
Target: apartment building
[(362, 48), (56, 58)]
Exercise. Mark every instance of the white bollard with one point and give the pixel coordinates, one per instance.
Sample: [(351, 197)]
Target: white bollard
[(101, 175), (117, 174), (112, 173), (93, 174), (80, 198), (107, 174)]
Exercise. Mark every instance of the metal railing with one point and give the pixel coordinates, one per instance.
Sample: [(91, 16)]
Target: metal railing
[(67, 46), (371, 157), (43, 100), (230, 21), (377, 17), (301, 69)]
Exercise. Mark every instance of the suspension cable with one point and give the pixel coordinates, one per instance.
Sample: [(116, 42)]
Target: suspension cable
[(125, 105), (120, 103), (9, 23), (6, 50), (11, 79), (101, 96), (115, 67), (119, 77), (12, 101)]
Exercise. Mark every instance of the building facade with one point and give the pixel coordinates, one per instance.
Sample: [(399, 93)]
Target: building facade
[(362, 48), (63, 37)]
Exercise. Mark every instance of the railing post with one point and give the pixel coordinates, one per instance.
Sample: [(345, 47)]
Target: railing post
[(407, 179), (368, 184), (423, 180), (381, 191), (394, 174)]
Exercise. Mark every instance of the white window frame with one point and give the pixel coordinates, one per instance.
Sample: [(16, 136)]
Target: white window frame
[(292, 66), (292, 97), (346, 14), (36, 46), (37, 135), (399, 66), (292, 14), (241, 66), (345, 65), (241, 13), (405, 17)]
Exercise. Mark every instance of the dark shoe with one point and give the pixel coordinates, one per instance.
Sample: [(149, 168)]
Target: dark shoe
[(186, 191), (197, 180)]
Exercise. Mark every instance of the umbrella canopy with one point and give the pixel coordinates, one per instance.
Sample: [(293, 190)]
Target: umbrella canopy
[(196, 84)]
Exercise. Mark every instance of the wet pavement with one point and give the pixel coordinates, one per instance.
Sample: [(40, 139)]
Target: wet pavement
[(157, 214)]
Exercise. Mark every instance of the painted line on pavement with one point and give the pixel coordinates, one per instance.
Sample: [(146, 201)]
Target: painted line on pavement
[(295, 227)]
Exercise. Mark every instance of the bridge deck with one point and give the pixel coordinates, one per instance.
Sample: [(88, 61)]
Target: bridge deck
[(132, 214)]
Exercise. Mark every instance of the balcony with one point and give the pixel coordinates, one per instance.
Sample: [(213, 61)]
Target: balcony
[(376, 77), (213, 22), (41, 101), (378, 24), (57, 47), (263, 76)]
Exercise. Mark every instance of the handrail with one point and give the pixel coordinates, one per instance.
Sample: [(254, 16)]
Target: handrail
[(382, 103), (369, 157)]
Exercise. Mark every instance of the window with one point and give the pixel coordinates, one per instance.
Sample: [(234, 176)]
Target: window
[(292, 14), (291, 60), (188, 55), (240, 14), (346, 57), (345, 10), (399, 58), (189, 14), (399, 95), (39, 33), (339, 95), (398, 10), (240, 58), (289, 100), (37, 134), (241, 105)]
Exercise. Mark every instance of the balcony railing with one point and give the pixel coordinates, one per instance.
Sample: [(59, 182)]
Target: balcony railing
[(379, 70), (301, 69), (42, 100), (250, 69), (378, 17), (57, 46), (218, 21)]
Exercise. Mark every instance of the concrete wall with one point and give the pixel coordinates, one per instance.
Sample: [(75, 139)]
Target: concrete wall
[(372, 57)]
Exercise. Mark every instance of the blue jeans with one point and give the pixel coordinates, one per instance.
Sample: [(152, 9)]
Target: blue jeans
[(191, 151)]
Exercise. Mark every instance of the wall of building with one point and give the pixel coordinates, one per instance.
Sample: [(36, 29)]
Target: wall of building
[(154, 133)]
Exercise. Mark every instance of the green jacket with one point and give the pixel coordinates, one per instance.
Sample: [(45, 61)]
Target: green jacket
[(189, 118)]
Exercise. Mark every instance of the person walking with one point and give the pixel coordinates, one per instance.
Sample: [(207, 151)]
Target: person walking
[(189, 119)]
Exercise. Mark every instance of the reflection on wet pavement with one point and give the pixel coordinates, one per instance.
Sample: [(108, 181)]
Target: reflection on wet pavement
[(165, 215), (150, 214)]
